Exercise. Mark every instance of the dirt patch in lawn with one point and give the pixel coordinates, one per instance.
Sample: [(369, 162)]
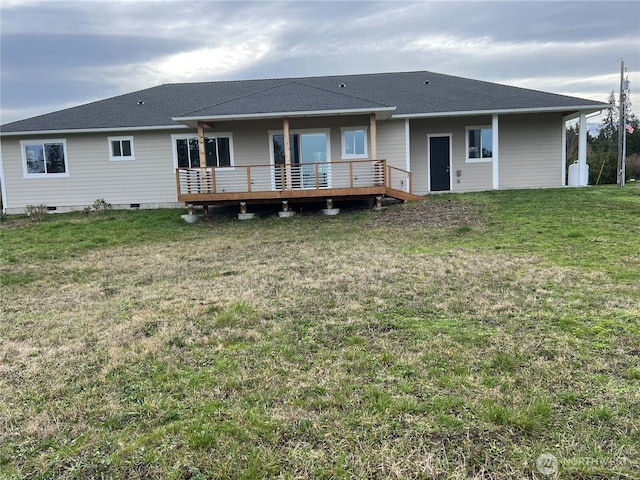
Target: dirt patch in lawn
[(445, 214)]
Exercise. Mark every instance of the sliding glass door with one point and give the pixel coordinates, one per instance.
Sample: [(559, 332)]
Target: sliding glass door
[(307, 150)]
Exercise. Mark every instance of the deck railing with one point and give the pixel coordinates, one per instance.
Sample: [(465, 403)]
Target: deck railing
[(347, 175)]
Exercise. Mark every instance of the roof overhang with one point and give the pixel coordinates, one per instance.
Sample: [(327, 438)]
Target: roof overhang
[(92, 130), (381, 113), (508, 111)]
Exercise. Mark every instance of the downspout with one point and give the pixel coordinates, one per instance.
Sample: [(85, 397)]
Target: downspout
[(3, 188)]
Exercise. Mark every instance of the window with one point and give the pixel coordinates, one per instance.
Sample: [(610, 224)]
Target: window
[(479, 144), (354, 142), (218, 151), (44, 158), (121, 148)]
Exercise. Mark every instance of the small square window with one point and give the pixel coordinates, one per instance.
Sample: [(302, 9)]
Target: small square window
[(354, 142), (121, 148)]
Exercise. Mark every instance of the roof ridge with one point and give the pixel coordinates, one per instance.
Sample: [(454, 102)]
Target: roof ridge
[(343, 94), (308, 77), (233, 99), (279, 85)]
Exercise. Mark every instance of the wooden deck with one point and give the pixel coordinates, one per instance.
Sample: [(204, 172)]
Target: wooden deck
[(304, 182)]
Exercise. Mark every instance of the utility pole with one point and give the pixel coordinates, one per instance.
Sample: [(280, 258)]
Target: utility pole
[(621, 123)]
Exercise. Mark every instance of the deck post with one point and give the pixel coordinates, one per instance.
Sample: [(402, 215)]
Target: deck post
[(202, 157), (287, 151), (374, 136), (201, 151), (244, 215), (285, 212)]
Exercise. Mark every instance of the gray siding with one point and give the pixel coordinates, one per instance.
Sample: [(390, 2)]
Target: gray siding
[(473, 176), (149, 179), (530, 156), (391, 143), (530, 151)]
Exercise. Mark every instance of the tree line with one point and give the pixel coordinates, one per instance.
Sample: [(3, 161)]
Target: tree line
[(602, 150)]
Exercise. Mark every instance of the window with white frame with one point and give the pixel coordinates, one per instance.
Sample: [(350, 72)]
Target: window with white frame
[(354, 142), (44, 158), (121, 148), (218, 151), (479, 144)]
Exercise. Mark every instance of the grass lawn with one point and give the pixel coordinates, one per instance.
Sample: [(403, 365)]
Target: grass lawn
[(459, 337)]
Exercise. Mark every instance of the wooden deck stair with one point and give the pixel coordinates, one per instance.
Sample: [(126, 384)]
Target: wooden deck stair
[(402, 195)]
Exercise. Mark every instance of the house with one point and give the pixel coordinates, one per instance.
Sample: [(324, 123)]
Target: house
[(401, 135)]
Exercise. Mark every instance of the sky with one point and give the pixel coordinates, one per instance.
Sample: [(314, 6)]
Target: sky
[(56, 54)]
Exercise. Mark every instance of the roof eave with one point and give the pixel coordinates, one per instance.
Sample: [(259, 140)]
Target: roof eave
[(506, 111), (91, 130)]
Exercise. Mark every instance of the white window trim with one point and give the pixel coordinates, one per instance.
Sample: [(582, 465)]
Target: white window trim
[(25, 170), (121, 158), (466, 144), (184, 136), (345, 155)]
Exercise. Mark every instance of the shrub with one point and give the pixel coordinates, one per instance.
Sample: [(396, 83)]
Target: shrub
[(608, 170), (37, 213), (101, 205)]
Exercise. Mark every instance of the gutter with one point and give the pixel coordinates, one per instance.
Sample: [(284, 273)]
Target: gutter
[(506, 111), (92, 130)]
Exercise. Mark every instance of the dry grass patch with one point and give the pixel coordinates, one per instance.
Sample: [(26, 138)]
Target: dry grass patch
[(316, 348), (433, 213)]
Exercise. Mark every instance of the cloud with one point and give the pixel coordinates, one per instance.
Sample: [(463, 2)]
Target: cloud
[(55, 53)]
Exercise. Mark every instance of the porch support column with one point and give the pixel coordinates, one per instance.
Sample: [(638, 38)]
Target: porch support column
[(582, 151), (407, 153), (374, 136), (201, 150), (203, 158), (563, 167), (287, 151), (495, 140)]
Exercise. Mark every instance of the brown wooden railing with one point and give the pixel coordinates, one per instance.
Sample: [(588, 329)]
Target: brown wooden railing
[(348, 177)]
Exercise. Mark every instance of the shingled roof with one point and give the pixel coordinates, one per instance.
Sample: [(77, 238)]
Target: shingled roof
[(400, 95)]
